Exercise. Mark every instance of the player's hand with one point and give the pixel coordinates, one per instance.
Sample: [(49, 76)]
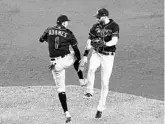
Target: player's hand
[(41, 40), (52, 65), (97, 43), (83, 61)]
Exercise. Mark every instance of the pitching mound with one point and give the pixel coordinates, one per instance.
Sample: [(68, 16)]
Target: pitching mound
[(40, 105)]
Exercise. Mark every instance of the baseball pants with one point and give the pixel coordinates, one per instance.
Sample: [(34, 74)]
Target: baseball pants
[(59, 71), (106, 63)]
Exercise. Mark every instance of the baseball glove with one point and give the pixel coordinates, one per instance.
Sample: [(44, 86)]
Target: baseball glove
[(52, 65), (97, 44)]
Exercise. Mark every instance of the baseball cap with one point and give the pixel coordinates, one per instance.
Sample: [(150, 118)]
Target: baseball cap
[(62, 18), (102, 12)]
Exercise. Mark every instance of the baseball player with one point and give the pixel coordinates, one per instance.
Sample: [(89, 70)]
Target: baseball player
[(59, 38), (103, 37)]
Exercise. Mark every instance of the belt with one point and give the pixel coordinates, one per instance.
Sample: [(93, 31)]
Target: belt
[(104, 52), (58, 57)]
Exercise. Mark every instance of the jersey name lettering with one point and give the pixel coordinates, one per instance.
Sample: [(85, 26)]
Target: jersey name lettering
[(57, 32)]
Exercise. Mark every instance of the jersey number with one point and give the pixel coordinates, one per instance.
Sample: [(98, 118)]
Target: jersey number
[(56, 42)]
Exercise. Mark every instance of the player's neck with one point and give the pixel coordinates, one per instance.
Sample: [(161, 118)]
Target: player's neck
[(61, 26), (106, 21)]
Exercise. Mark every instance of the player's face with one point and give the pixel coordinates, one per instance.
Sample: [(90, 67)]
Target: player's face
[(66, 23), (100, 19)]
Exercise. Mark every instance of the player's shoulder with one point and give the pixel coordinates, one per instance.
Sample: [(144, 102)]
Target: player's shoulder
[(95, 25), (48, 28), (113, 22), (112, 25), (69, 31)]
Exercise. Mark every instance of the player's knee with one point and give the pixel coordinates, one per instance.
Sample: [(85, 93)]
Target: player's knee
[(105, 80), (58, 69), (72, 52), (60, 90), (92, 70), (105, 87)]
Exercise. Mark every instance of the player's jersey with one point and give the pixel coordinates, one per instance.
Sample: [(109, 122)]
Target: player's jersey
[(59, 39), (105, 32)]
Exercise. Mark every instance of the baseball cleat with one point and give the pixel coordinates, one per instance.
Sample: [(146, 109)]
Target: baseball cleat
[(87, 95), (98, 114), (83, 82), (68, 117)]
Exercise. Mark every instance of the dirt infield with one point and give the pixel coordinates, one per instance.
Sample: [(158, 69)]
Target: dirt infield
[(40, 105), (138, 67)]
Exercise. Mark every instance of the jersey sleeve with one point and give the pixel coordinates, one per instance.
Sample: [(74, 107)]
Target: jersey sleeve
[(72, 39), (92, 34), (115, 30), (44, 36)]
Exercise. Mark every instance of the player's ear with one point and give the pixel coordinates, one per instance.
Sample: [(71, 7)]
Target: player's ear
[(63, 23)]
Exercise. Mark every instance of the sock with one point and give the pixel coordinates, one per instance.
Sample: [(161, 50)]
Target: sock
[(63, 100)]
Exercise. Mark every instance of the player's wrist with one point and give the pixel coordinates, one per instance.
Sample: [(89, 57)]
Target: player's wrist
[(41, 40), (86, 52), (84, 60), (85, 57)]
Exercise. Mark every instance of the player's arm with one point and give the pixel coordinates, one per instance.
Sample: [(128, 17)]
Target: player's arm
[(44, 36), (115, 36), (87, 48), (77, 52), (113, 42), (86, 52), (88, 45), (74, 45)]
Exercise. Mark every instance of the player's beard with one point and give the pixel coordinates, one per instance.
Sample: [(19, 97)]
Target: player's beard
[(102, 22)]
